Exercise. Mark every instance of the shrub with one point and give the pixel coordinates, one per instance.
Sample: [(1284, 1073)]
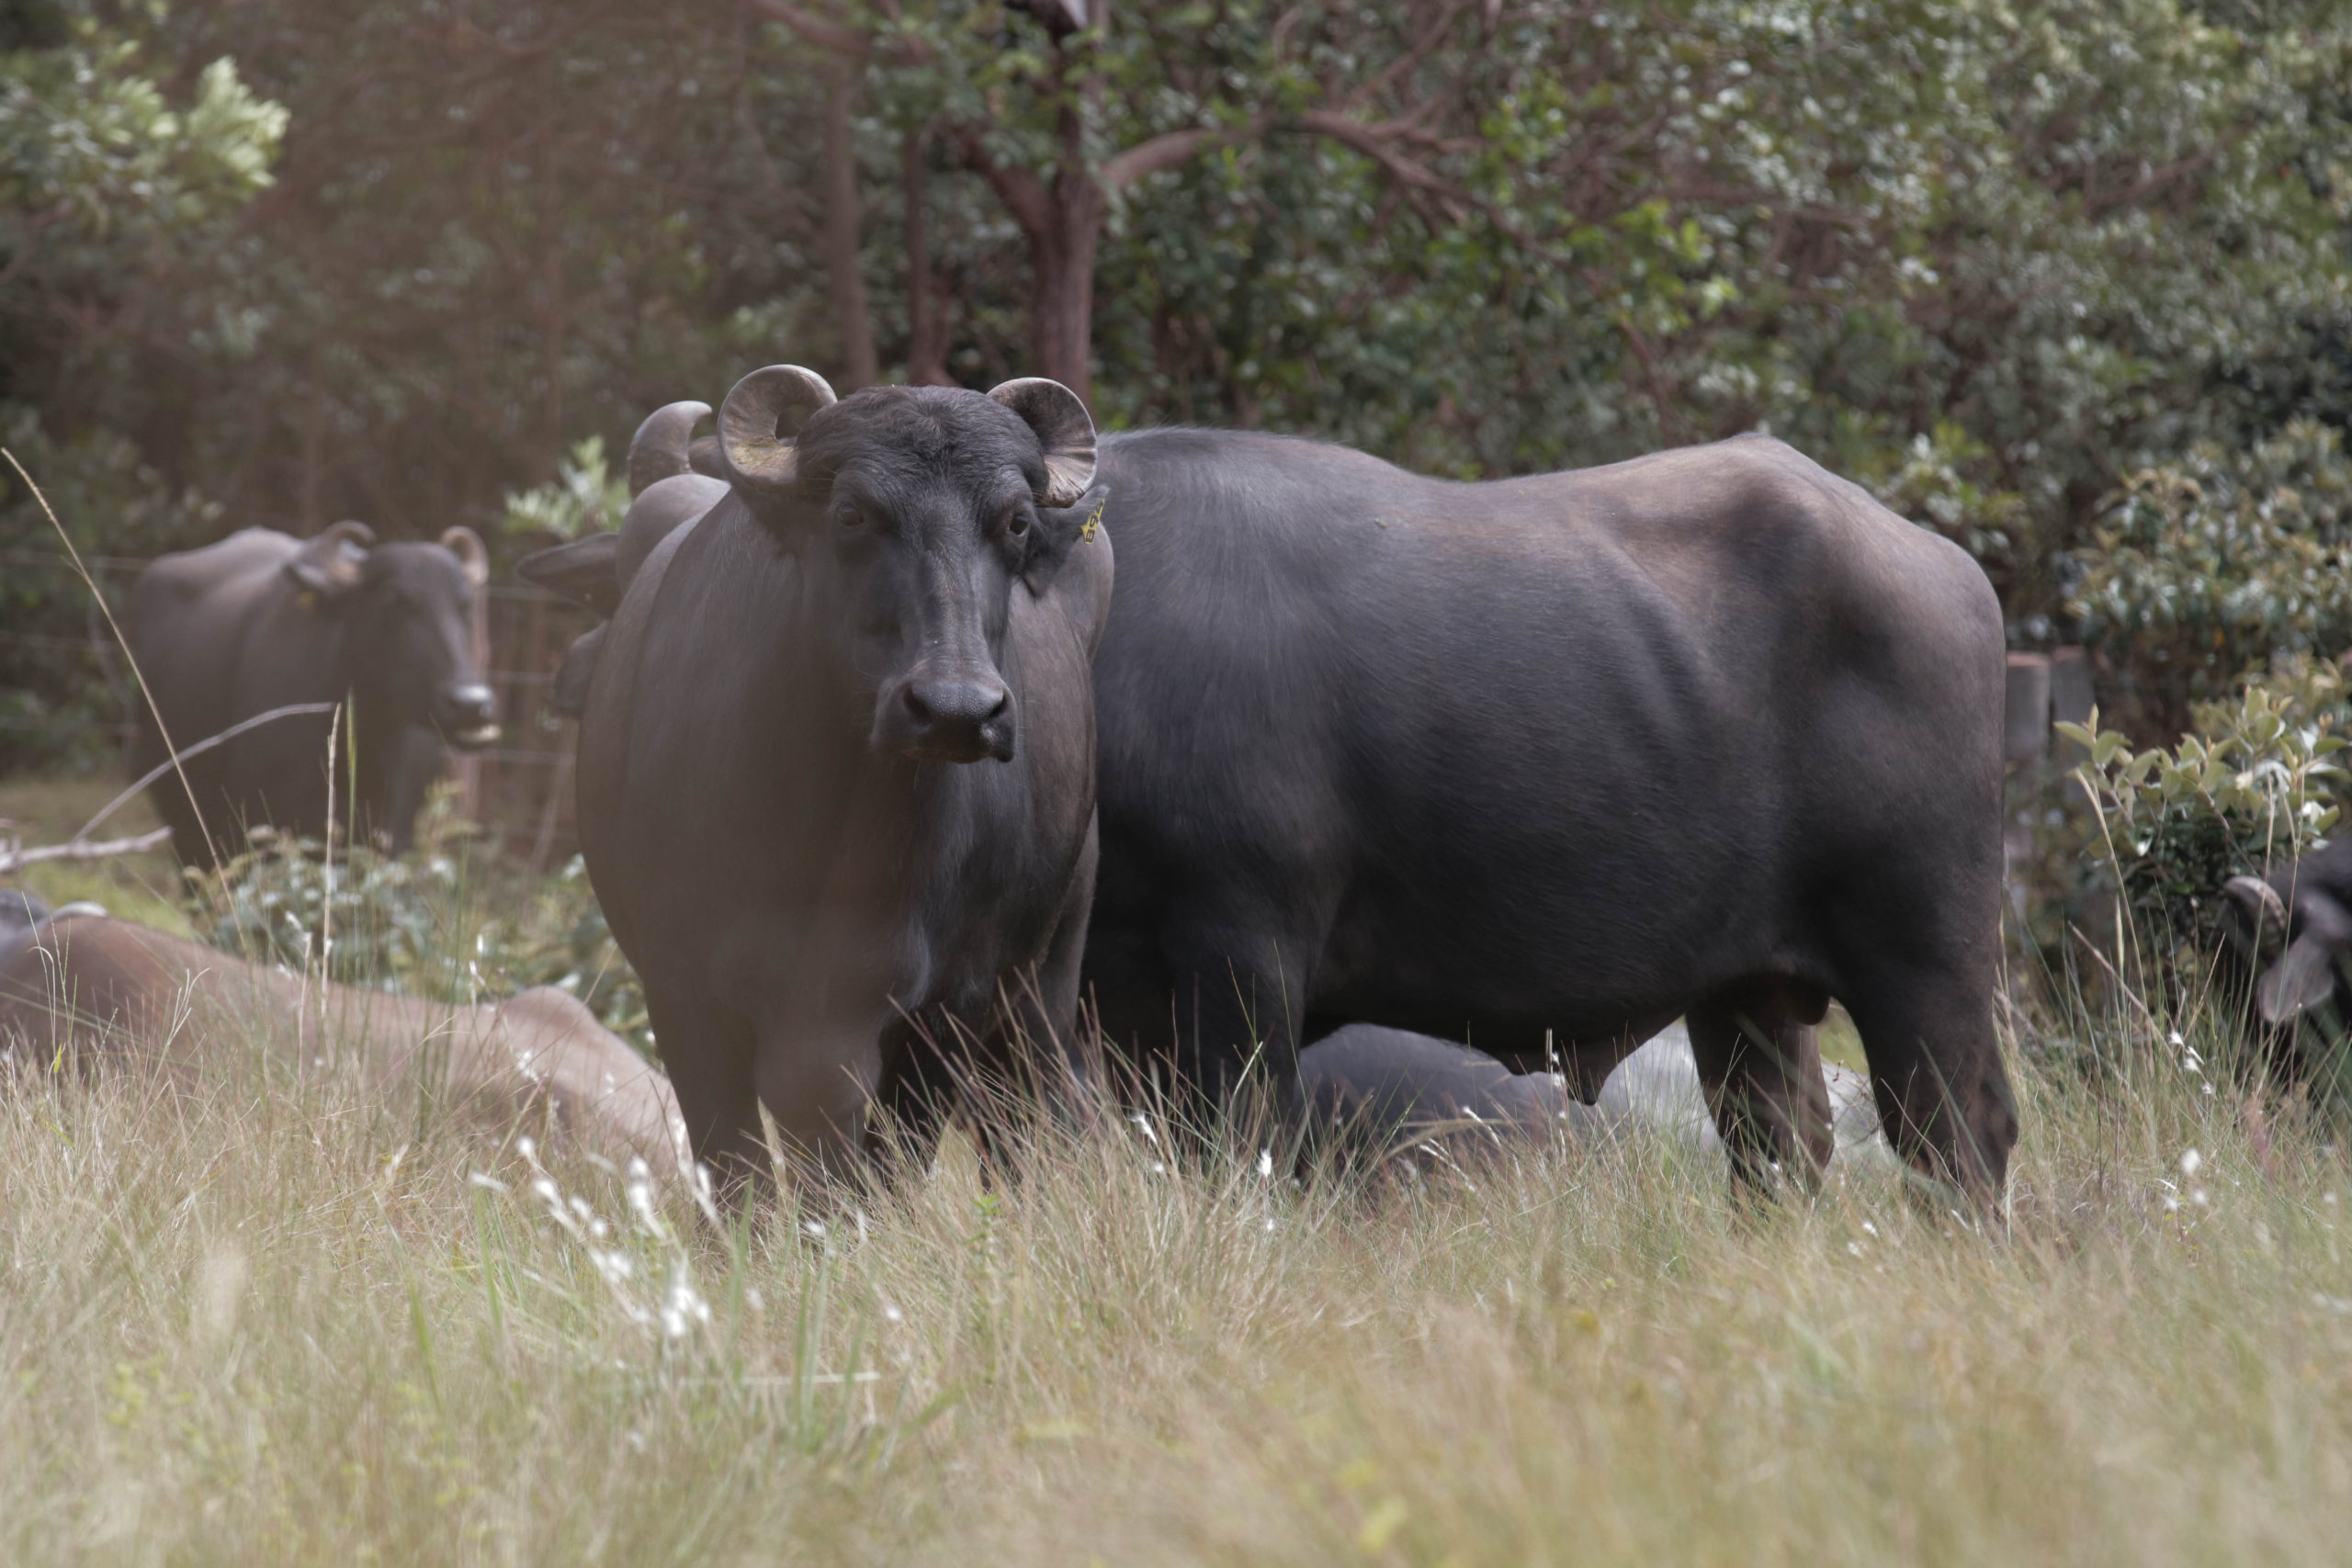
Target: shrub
[(2206, 565), (415, 924), (2251, 786)]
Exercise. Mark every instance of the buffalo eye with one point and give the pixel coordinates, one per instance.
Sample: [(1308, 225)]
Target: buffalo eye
[(1016, 523), (849, 514)]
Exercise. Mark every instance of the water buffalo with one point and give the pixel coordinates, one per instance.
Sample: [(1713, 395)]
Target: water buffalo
[(86, 991), (1387, 1088), (1545, 763), (2296, 933), (837, 762), (670, 485), (261, 621)]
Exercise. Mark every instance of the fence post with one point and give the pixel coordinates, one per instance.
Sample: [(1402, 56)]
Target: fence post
[(2025, 727), (470, 792)]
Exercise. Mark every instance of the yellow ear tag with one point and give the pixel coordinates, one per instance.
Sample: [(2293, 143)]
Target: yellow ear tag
[(1086, 533)]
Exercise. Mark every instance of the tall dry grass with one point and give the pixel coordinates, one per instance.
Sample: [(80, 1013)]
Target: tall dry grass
[(274, 1322)]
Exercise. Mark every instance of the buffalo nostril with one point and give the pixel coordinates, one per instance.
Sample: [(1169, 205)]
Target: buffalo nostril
[(918, 709)]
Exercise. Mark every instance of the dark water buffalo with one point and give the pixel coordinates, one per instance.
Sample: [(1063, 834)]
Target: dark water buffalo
[(670, 485), (837, 764), (263, 620), (1555, 761), (2295, 937)]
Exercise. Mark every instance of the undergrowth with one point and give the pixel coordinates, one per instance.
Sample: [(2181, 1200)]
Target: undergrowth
[(267, 1321)]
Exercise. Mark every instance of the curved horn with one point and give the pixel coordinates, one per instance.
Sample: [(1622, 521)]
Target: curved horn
[(753, 421), (658, 450), (2263, 906), (1065, 433), (466, 545)]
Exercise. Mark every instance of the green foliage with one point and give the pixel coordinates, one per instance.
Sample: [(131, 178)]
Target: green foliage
[(105, 189), (94, 160), (417, 924), (2221, 557), (378, 920), (64, 694), (2253, 788), (1995, 261), (585, 497)]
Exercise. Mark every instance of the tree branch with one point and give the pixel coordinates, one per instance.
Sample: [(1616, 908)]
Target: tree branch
[(1175, 149), (13, 858), (820, 32)]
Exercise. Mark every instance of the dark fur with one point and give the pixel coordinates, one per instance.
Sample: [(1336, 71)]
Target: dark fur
[(1555, 759), (593, 572), (2298, 968), (803, 899), (227, 632)]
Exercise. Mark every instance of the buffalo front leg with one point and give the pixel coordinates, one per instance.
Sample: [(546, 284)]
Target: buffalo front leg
[(1944, 1094), (818, 1077), (1759, 1055), (708, 1055), (1045, 1045)]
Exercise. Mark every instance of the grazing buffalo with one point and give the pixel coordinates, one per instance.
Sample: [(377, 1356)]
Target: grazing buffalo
[(670, 485), (1545, 763), (262, 621), (88, 991), (2297, 931), (837, 763)]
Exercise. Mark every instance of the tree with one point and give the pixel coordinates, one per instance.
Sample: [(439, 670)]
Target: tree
[(1063, 122)]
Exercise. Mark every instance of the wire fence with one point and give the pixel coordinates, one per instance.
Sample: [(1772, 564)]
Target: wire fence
[(520, 792)]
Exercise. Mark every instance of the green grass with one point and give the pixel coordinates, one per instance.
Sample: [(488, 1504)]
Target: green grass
[(268, 1321), (143, 887)]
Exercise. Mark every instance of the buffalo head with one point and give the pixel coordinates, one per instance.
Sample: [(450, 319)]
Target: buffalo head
[(407, 613), (915, 512), (2297, 936)]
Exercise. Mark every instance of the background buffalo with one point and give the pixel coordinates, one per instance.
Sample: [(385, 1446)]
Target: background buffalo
[(261, 621)]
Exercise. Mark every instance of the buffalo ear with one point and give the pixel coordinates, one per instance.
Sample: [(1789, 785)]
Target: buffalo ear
[(2302, 979), (331, 563), (2306, 975), (1059, 531), (472, 555), (1065, 434), (582, 571)]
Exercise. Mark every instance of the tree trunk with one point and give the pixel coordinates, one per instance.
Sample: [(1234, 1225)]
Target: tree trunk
[(1062, 268), (843, 218), (926, 318)]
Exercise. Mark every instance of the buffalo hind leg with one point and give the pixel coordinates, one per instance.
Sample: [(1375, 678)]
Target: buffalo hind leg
[(1759, 1055), (1237, 1024)]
